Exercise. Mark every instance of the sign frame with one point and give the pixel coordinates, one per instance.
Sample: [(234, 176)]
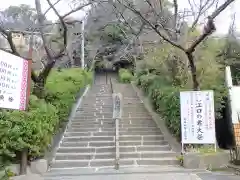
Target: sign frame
[(21, 81), (197, 118)]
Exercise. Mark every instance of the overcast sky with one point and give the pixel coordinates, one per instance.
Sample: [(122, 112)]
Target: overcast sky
[(222, 22)]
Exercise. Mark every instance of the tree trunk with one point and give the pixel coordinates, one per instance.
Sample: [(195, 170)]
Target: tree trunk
[(24, 162), (39, 85), (196, 86), (38, 88)]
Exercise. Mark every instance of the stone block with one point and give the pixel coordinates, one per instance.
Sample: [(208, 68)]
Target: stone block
[(28, 177), (206, 161), (15, 168), (39, 166)]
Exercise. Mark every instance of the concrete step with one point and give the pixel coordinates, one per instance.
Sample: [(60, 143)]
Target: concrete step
[(111, 162), (107, 133), (142, 143), (90, 123), (79, 125), (88, 144), (96, 110), (145, 117), (112, 143), (141, 138), (92, 114), (95, 120), (142, 133), (94, 106), (88, 163), (57, 174), (87, 138), (141, 123), (111, 133), (123, 155), (137, 126), (112, 149), (76, 129)]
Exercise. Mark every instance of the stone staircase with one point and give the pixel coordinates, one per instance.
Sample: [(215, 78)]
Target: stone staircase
[(89, 138), (141, 141), (88, 144)]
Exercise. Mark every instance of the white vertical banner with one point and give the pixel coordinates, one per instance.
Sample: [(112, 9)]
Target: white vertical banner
[(197, 117), (14, 82)]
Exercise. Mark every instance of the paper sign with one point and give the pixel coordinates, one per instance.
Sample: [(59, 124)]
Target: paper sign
[(197, 117), (13, 81)]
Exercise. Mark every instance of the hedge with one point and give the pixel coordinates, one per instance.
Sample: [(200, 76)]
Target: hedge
[(33, 129), (125, 75), (165, 99)]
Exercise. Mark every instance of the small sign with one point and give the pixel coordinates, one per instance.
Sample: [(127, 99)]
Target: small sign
[(14, 73), (117, 109), (197, 117)]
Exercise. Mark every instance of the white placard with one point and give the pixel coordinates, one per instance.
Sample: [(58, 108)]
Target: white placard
[(13, 81), (197, 117), (235, 92)]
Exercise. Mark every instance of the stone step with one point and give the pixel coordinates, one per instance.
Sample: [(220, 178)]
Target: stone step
[(109, 133), (132, 119), (94, 106), (80, 119), (146, 117), (89, 123), (93, 125), (125, 155), (136, 113), (112, 143), (92, 119), (88, 144), (86, 114), (66, 174), (76, 129), (138, 106), (142, 143), (88, 163), (141, 138), (96, 110), (122, 130), (124, 126), (142, 123), (100, 107), (112, 149), (111, 162), (87, 138)]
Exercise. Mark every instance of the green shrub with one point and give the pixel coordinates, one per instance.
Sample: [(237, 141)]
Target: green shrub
[(125, 76), (33, 129), (63, 86), (165, 99), (30, 129)]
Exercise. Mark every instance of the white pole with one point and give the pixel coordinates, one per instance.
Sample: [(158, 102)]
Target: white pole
[(82, 46)]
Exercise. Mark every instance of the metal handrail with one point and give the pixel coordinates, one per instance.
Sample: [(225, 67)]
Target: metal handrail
[(117, 115)]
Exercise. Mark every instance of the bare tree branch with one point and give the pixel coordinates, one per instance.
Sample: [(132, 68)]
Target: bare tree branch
[(77, 9), (40, 18), (209, 27), (62, 22), (203, 7), (51, 7), (175, 13), (154, 27)]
